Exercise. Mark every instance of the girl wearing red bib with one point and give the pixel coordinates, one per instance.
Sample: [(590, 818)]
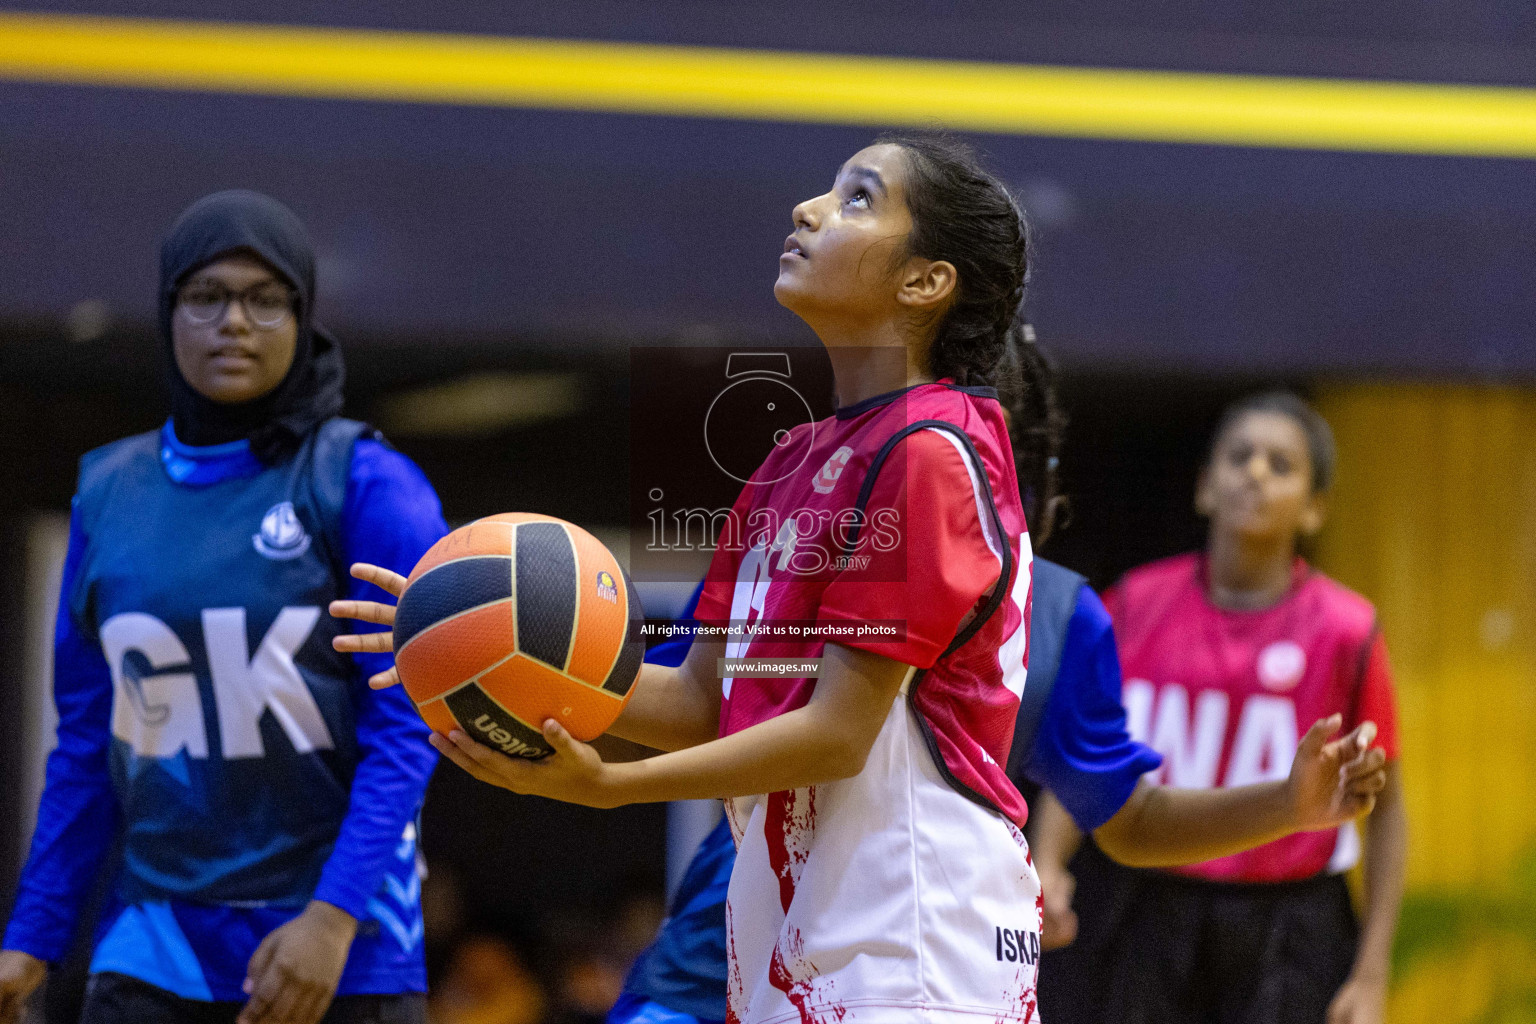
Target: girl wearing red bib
[(881, 557), (1226, 655)]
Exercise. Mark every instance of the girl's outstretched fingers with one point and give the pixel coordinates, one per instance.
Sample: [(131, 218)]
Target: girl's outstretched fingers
[(384, 680), (365, 643), (376, 612), (391, 582)]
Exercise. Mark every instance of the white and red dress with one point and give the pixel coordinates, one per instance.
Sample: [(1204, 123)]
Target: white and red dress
[(906, 892)]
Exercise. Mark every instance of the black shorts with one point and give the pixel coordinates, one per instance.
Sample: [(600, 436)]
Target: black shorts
[(119, 999), (1155, 948)]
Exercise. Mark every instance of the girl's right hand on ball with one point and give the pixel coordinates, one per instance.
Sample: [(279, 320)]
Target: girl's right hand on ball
[(375, 612)]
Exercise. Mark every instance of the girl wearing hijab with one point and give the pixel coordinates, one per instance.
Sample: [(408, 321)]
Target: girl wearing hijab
[(263, 799)]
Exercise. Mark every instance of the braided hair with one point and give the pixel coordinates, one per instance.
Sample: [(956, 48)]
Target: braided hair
[(963, 214), (1026, 386)]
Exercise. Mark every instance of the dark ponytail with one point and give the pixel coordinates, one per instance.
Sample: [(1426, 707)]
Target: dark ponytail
[(1026, 386), (965, 215)]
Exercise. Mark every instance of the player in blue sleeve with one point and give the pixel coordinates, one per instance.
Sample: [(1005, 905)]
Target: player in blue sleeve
[(263, 798), (680, 978), (1070, 738)]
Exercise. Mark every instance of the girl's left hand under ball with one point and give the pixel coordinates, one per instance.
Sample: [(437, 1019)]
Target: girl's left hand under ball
[(376, 612), (574, 773)]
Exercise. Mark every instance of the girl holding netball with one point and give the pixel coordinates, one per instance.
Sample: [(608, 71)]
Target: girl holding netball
[(261, 800), (1225, 653), (1070, 735), (881, 874)]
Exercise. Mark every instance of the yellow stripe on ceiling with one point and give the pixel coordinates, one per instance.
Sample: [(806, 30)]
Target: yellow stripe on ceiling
[(1023, 99)]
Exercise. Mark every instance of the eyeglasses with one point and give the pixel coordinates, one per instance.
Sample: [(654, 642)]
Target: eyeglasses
[(266, 305)]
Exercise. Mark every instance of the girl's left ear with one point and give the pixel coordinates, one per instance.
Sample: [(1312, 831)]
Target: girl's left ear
[(927, 283), (1314, 515)]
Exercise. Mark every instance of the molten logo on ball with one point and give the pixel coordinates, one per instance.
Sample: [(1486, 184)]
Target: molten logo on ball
[(504, 741)]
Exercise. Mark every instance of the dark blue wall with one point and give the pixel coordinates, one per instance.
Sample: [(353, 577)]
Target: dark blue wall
[(571, 229)]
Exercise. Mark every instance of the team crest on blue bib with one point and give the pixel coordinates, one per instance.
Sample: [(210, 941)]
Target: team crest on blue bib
[(282, 536)]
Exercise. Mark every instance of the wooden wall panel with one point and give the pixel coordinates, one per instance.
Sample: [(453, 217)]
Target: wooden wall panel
[(1434, 519)]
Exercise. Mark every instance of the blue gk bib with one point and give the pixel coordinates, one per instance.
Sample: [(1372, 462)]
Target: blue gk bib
[(232, 718)]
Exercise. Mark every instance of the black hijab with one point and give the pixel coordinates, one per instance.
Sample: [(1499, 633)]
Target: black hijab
[(276, 423)]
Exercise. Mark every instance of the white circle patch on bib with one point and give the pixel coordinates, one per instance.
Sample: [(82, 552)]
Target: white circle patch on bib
[(1281, 665)]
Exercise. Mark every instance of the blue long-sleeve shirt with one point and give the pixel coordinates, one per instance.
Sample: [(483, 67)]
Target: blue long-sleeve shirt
[(78, 815), (389, 517), (1083, 752)]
